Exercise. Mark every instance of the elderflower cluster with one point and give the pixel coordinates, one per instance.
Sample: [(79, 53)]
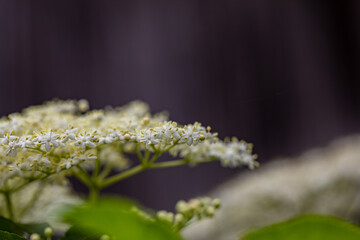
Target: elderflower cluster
[(232, 153), (51, 138), (188, 212)]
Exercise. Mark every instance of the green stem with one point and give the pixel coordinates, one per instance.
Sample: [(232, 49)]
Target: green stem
[(138, 169), (154, 148), (9, 205), (169, 148), (91, 183), (146, 156), (121, 176), (97, 167), (173, 163), (106, 171), (83, 176), (139, 155), (93, 194), (154, 157)]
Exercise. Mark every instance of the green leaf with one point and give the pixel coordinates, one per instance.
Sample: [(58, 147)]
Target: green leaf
[(9, 226), (19, 229), (75, 233), (113, 217), (309, 227), (10, 236)]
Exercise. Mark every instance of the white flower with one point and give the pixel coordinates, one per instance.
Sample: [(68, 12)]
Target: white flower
[(85, 140), (8, 138), (11, 148), (148, 137), (26, 142), (37, 159), (29, 149), (191, 136), (110, 137), (234, 154), (49, 140), (169, 131), (231, 154), (70, 134)]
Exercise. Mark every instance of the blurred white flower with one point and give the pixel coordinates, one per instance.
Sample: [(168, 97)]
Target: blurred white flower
[(324, 181)]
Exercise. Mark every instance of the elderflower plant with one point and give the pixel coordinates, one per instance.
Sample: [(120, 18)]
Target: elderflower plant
[(49, 142)]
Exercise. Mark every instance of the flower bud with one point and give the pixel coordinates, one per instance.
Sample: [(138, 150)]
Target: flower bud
[(166, 216), (127, 137), (181, 206), (48, 232), (83, 105), (35, 236), (216, 202), (179, 218), (210, 211)]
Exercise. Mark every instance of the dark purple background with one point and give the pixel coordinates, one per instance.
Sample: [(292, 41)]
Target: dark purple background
[(281, 74)]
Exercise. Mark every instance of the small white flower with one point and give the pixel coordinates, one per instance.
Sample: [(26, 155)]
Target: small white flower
[(11, 148), (31, 149), (107, 139), (70, 134), (191, 136), (8, 138), (26, 142), (85, 140), (169, 131), (148, 137), (49, 140)]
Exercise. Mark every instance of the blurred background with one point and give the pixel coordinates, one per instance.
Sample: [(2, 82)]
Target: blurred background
[(281, 74)]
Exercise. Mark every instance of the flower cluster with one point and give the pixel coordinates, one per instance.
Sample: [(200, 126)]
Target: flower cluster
[(187, 212), (50, 138), (232, 153)]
